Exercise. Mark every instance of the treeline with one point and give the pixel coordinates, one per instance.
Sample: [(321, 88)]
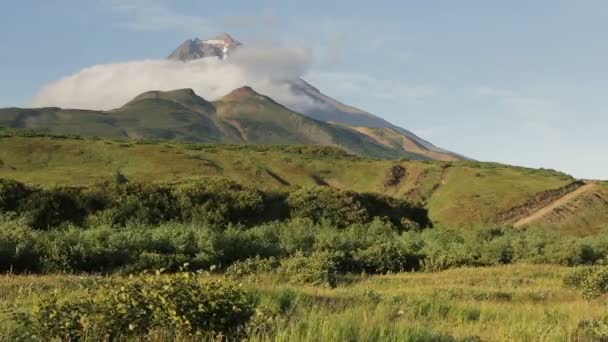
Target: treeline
[(213, 202), (217, 224)]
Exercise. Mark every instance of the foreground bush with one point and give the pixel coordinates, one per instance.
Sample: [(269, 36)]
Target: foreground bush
[(592, 281), (593, 330), (176, 305), (17, 248)]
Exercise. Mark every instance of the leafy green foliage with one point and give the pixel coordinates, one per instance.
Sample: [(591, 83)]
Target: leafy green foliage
[(389, 257), (17, 248), (219, 202), (324, 204), (214, 202), (178, 304), (143, 203), (592, 281), (343, 208), (594, 330), (315, 269), (46, 209), (11, 194), (251, 267)]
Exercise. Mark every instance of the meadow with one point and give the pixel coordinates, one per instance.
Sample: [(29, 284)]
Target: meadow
[(504, 303)]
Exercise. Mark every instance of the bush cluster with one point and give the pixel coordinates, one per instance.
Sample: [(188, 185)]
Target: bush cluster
[(591, 281), (315, 269), (593, 330), (374, 247), (251, 267), (217, 202), (176, 305)]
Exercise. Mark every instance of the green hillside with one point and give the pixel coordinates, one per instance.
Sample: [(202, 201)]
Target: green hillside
[(459, 193), (241, 117)]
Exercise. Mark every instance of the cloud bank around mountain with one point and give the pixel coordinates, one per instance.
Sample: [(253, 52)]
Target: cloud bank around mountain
[(109, 86)]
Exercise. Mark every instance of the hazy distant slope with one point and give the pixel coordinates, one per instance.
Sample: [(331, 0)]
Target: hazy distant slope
[(243, 116), (329, 109), (168, 116), (62, 121)]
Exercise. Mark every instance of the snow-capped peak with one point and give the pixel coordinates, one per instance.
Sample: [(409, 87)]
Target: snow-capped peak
[(219, 47)]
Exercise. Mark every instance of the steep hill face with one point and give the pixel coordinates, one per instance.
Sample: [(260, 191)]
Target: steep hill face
[(324, 108), (241, 117)]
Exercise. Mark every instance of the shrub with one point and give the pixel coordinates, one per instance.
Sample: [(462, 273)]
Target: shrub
[(251, 267), (571, 252), (400, 212), (386, 258), (576, 277), (445, 249), (178, 304), (219, 202), (46, 209), (235, 244), (12, 193), (594, 330), (316, 269), (17, 248), (149, 261), (324, 204), (592, 281), (298, 235), (143, 203)]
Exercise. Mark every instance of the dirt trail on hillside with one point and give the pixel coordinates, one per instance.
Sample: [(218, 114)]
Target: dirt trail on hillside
[(554, 205)]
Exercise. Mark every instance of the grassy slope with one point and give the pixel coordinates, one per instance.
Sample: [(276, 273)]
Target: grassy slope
[(457, 193), (477, 192), (585, 215), (509, 303)]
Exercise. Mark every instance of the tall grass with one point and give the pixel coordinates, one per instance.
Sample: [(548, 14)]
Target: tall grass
[(506, 303)]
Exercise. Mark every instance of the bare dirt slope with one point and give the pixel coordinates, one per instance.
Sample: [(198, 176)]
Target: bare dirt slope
[(562, 201)]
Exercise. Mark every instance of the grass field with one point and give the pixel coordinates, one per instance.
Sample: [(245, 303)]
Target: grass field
[(510, 303)]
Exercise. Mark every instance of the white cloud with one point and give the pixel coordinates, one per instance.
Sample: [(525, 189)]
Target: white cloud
[(112, 85)]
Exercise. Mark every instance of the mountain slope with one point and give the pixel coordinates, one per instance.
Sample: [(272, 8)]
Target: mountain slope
[(243, 117), (457, 194), (324, 108), (329, 109), (260, 120)]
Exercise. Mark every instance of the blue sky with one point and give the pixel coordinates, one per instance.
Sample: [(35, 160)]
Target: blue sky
[(518, 82)]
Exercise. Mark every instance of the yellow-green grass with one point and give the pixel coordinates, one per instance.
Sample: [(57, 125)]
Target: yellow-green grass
[(479, 192), (456, 193), (509, 303)]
